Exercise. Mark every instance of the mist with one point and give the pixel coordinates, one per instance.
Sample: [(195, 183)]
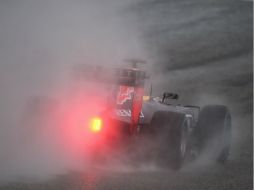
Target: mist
[(41, 42)]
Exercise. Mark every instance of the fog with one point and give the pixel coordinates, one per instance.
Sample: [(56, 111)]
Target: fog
[(41, 42)]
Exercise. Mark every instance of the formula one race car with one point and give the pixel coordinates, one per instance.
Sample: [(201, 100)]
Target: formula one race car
[(171, 133)]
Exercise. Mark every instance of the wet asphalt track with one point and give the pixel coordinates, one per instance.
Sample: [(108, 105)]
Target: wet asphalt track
[(236, 175), (209, 44)]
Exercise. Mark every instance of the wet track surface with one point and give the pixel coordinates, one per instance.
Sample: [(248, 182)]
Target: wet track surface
[(205, 49), (235, 175)]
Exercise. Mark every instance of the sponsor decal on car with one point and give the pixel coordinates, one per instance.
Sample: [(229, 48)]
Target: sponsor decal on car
[(126, 113), (124, 94)]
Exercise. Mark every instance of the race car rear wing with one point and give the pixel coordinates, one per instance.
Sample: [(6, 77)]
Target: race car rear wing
[(99, 73)]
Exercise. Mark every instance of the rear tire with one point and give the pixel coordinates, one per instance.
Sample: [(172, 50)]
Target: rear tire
[(171, 133), (214, 132)]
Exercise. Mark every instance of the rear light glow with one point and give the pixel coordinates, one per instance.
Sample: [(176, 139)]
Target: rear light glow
[(95, 125)]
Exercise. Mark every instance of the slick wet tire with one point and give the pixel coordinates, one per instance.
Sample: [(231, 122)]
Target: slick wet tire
[(214, 132), (171, 136)]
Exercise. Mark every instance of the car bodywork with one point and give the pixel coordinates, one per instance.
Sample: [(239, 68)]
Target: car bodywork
[(129, 104)]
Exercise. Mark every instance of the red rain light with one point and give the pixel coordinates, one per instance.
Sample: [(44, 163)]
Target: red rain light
[(95, 124)]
